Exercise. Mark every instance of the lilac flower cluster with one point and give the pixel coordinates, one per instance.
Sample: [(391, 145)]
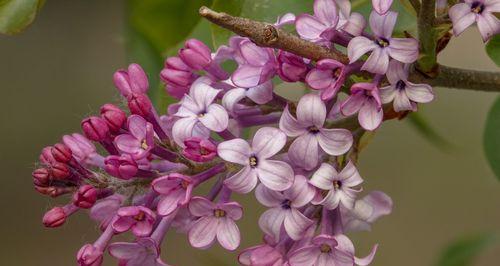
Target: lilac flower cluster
[(299, 159)]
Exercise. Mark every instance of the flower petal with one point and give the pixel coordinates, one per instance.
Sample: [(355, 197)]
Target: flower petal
[(232, 97), (403, 49), (199, 206), (305, 256), (309, 27), (368, 259), (319, 79), (253, 54), (267, 142), (182, 129), (324, 176), (301, 192), (290, 125), (401, 101), (243, 181), (352, 104), (377, 62), (268, 197), (247, 76), (462, 17), (311, 110), (202, 233), (488, 25), (262, 93), (381, 6), (420, 93), (350, 176), (169, 203), (326, 12), (216, 118), (304, 151), (235, 151), (359, 46), (383, 25), (370, 115), (275, 175), (270, 222), (233, 210), (296, 223), (335, 141), (228, 234)]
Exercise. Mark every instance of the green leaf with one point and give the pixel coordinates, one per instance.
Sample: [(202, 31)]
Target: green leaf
[(232, 7), (427, 131), (493, 49), (491, 138), (464, 251), (16, 15), (153, 28)]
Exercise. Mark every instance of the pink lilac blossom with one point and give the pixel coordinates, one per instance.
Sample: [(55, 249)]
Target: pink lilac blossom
[(482, 12), (364, 100), (258, 65)]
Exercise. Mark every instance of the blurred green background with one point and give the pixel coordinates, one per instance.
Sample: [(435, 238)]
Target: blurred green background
[(60, 70)]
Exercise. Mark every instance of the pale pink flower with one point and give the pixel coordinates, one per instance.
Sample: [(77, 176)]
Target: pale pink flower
[(140, 139), (366, 211), (143, 252), (256, 65), (175, 190), (138, 219), (480, 11), (364, 100)]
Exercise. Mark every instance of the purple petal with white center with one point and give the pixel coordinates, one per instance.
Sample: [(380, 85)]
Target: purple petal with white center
[(420, 93), (359, 46), (381, 6), (335, 141), (262, 93), (304, 151), (271, 221), (377, 62), (247, 76), (383, 25), (290, 125), (267, 142), (488, 25), (296, 223), (243, 181), (216, 118), (228, 234), (311, 110), (326, 12), (309, 27), (370, 115), (462, 17), (199, 206), (275, 175), (202, 233), (324, 176), (235, 151), (403, 49), (268, 197)]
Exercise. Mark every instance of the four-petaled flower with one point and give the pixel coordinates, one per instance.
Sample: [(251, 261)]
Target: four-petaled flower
[(143, 252), (139, 219), (464, 14), (267, 142), (364, 100), (216, 220), (310, 133), (257, 65), (366, 211), (140, 139), (174, 189)]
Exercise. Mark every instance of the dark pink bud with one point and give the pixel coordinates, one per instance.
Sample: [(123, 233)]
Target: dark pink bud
[(55, 217), (89, 255), (41, 177), (177, 73), (124, 166), (132, 80), (195, 54), (114, 117), (199, 150), (292, 68), (139, 104), (60, 171), (85, 197), (95, 128), (61, 153), (46, 155)]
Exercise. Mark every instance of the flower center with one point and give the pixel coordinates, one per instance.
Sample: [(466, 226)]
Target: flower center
[(477, 7), (184, 184), (202, 114), (337, 184), (253, 161), (325, 248), (204, 151), (286, 204), (139, 217), (144, 144), (219, 213), (313, 129), (400, 85), (382, 42)]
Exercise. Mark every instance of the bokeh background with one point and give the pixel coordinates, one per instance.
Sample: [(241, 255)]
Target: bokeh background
[(60, 70)]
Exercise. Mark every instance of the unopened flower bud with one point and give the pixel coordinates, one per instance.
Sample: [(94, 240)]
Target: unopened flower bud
[(85, 197), (46, 155), (195, 54), (114, 116), (124, 166), (60, 171), (139, 104), (292, 68), (89, 255), (54, 217), (95, 128), (199, 150), (41, 177), (133, 80), (61, 153)]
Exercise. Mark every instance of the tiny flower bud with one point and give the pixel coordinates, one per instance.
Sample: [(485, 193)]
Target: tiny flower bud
[(139, 104), (292, 68), (124, 166), (85, 197), (60, 171), (114, 116), (195, 54), (46, 155), (54, 217), (61, 153), (41, 177), (133, 80), (95, 128), (199, 150), (89, 255)]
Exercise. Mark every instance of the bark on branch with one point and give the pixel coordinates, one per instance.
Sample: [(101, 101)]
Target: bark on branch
[(266, 35)]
